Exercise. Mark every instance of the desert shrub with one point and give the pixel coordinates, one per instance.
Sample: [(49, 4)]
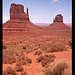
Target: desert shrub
[(20, 41), (24, 47), (30, 48), (21, 62), (46, 59), (19, 69), (70, 43), (24, 73), (29, 60), (4, 47), (48, 47), (8, 57), (9, 70), (38, 52), (57, 69), (39, 59)]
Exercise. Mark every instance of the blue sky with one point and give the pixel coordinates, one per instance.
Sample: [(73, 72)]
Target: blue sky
[(41, 11)]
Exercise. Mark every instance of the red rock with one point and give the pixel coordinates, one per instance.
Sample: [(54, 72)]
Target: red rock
[(58, 18), (17, 12), (58, 24)]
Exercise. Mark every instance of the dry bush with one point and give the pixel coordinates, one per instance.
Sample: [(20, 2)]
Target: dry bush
[(24, 73), (51, 47), (57, 69), (9, 70), (22, 60), (8, 57), (4, 47), (46, 59), (29, 60), (29, 48), (38, 52), (19, 69)]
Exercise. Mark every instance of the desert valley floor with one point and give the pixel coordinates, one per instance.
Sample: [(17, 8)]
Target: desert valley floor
[(28, 51)]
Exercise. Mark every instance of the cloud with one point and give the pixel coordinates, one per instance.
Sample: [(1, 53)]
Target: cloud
[(53, 1), (5, 18)]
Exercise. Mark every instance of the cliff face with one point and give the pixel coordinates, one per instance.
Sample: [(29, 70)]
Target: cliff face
[(19, 20), (58, 24), (17, 12), (58, 18)]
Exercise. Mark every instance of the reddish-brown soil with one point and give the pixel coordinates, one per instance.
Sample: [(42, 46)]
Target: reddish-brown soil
[(19, 38)]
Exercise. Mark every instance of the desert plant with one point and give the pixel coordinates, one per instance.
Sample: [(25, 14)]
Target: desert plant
[(38, 52), (57, 69), (4, 47), (24, 73), (9, 70), (19, 69), (8, 57), (50, 47), (46, 59), (29, 60), (24, 47)]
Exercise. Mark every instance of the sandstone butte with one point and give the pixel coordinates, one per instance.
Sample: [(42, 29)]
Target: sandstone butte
[(19, 20), (58, 23)]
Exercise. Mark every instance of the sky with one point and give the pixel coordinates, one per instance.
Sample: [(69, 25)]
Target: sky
[(41, 11)]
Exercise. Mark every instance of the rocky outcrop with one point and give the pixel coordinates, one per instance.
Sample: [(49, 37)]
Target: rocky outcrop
[(58, 24), (19, 20), (58, 18), (17, 12)]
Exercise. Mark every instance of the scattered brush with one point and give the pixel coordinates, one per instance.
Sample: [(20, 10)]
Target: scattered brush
[(19, 69), (8, 57), (9, 70), (24, 73), (4, 47), (46, 59), (57, 69), (39, 52), (49, 47)]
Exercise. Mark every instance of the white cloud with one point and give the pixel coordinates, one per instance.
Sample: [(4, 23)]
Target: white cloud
[(55, 1), (5, 18)]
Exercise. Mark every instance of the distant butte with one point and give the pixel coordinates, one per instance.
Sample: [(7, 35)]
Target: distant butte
[(19, 20), (17, 12), (58, 23)]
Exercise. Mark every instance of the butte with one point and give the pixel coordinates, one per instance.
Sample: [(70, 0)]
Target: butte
[(58, 24), (19, 20)]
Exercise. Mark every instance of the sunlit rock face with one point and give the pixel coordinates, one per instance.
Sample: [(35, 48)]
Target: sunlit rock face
[(58, 18), (17, 12)]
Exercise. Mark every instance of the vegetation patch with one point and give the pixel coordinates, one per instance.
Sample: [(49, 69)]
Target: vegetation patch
[(9, 70), (39, 52), (19, 69), (46, 59), (50, 47), (4, 47), (8, 57), (57, 69), (24, 73)]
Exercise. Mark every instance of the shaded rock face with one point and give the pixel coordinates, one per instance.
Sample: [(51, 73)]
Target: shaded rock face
[(17, 12), (58, 18)]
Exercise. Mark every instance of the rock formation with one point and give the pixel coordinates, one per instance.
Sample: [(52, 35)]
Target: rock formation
[(58, 18), (19, 20), (17, 12), (58, 23)]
